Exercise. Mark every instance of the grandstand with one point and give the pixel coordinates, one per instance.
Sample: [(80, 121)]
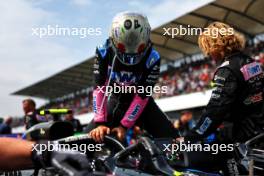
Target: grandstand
[(180, 57)]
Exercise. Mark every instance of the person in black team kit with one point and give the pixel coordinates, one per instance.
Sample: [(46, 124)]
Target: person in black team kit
[(29, 108), (75, 122), (127, 60), (237, 95)]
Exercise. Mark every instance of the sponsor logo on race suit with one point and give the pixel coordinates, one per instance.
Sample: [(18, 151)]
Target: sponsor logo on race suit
[(205, 125), (94, 104), (124, 77), (134, 112), (253, 99), (251, 70)]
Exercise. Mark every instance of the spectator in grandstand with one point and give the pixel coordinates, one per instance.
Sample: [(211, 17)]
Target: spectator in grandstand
[(5, 127), (130, 60), (238, 87), (260, 58), (75, 122), (31, 117)]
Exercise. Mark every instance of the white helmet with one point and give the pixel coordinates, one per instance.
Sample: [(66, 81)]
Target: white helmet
[(130, 34)]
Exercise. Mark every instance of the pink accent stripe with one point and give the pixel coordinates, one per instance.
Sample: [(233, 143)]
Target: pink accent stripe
[(100, 113), (245, 73), (134, 111)]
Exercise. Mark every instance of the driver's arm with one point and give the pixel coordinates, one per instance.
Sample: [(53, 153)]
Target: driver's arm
[(15, 154), (219, 107), (140, 100), (100, 77)]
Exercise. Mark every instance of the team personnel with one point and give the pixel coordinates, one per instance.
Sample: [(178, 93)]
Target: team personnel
[(238, 87), (29, 107), (127, 59), (5, 127), (75, 122), (184, 123)]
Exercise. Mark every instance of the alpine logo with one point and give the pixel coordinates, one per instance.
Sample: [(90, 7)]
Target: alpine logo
[(124, 77)]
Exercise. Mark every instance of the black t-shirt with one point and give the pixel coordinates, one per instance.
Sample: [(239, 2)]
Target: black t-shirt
[(30, 119)]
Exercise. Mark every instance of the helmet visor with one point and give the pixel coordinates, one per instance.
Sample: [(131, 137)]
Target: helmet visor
[(130, 58)]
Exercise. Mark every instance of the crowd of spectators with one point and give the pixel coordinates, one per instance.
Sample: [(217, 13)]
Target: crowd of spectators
[(80, 104), (194, 77), (256, 51)]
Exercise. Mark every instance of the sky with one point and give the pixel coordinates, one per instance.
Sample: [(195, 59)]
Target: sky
[(25, 58)]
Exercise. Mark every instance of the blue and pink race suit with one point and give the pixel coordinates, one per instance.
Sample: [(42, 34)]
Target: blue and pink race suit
[(124, 107)]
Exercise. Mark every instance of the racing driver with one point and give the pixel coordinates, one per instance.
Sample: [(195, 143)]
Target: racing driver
[(127, 59)]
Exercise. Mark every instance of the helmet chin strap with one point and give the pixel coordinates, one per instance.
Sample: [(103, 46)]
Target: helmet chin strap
[(108, 82)]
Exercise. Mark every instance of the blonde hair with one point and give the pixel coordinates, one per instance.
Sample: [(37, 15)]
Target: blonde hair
[(220, 39)]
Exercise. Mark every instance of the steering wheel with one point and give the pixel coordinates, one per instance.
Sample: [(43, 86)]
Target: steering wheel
[(110, 143)]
